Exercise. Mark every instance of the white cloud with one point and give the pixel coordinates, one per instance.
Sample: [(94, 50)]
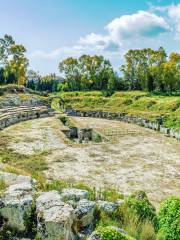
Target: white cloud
[(94, 39), (100, 42), (59, 52), (172, 14), (140, 24), (135, 26)]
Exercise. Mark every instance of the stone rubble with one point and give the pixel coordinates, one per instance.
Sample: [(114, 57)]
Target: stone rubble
[(84, 213), (107, 207), (72, 194), (66, 215)]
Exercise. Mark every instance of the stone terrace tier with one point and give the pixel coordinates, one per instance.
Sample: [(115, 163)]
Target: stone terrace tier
[(12, 115)]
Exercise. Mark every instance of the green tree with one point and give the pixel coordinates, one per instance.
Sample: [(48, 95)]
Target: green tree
[(86, 72), (150, 70), (70, 68), (13, 60)]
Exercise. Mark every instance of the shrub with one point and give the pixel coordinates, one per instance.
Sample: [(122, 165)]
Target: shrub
[(147, 231), (140, 205), (57, 185), (169, 218), (160, 236), (110, 233), (130, 221), (2, 184), (111, 195)]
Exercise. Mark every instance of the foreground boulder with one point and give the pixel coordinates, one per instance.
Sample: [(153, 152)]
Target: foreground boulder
[(107, 207), (26, 213), (84, 217), (55, 218), (72, 194), (17, 200)]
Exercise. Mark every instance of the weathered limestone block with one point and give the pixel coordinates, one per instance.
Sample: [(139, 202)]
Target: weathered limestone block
[(17, 201), (164, 130), (11, 179), (177, 134), (55, 218), (84, 217), (74, 194), (108, 207), (172, 132)]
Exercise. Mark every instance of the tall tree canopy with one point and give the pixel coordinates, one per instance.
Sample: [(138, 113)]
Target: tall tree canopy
[(13, 61), (49, 83), (147, 69), (86, 73)]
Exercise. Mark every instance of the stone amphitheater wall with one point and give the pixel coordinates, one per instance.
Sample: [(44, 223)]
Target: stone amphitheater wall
[(126, 118)]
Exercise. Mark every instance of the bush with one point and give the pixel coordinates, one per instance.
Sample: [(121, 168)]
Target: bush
[(140, 205), (147, 231), (110, 233), (2, 184), (130, 221), (169, 219)]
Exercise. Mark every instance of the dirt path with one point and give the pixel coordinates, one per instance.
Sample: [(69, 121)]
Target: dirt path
[(135, 158)]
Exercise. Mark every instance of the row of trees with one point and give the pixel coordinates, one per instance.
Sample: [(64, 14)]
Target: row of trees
[(144, 69), (150, 70), (87, 73), (50, 83), (13, 63)]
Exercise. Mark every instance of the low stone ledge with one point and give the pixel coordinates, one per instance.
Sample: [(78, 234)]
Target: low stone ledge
[(126, 118)]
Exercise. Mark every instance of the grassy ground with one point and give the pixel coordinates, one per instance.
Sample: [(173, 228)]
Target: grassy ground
[(13, 160), (136, 103)]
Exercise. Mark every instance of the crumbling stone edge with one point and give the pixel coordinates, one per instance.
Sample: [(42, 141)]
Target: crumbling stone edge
[(157, 126)]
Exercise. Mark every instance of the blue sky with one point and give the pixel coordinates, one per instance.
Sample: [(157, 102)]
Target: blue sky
[(52, 30)]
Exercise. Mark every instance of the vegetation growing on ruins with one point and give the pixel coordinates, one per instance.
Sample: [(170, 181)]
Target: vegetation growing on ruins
[(148, 87), (109, 233), (134, 103)]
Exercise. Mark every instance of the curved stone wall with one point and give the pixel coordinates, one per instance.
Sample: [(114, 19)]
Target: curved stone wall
[(126, 118), (12, 115)]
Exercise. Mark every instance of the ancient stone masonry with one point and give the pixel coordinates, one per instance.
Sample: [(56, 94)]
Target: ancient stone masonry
[(126, 118), (12, 115), (66, 215), (23, 106)]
